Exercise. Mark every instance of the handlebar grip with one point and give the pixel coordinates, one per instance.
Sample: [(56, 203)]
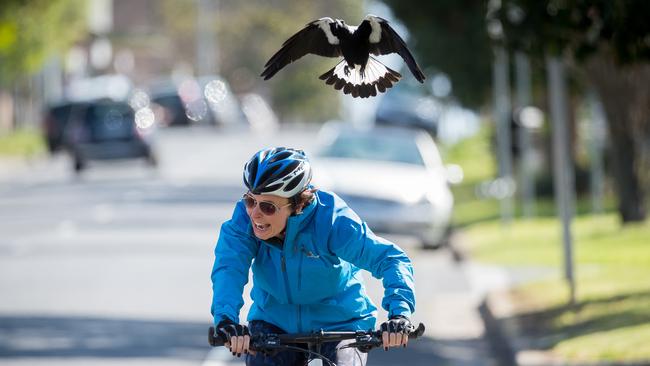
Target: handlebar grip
[(418, 332), (214, 338)]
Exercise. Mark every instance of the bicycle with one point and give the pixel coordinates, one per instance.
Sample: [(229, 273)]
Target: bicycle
[(272, 343)]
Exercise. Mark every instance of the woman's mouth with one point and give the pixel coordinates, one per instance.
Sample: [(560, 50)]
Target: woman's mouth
[(261, 227)]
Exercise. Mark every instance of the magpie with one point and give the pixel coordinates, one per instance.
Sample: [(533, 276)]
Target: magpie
[(358, 74)]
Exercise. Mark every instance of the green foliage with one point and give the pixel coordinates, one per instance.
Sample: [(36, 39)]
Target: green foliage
[(33, 31), (579, 26), (450, 36)]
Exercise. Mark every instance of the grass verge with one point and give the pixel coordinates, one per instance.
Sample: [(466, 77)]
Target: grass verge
[(24, 142), (611, 318)]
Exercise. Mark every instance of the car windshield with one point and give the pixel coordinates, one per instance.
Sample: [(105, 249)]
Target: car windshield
[(393, 148), (110, 122)]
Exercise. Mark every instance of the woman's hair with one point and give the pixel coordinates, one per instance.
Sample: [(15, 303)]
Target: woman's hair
[(302, 199)]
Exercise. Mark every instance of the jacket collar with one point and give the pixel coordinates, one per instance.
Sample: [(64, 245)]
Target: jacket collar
[(295, 223)]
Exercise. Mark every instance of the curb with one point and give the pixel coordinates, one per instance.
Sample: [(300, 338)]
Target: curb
[(503, 337), (496, 335)]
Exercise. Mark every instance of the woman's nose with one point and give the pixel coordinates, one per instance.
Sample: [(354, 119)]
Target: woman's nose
[(255, 212)]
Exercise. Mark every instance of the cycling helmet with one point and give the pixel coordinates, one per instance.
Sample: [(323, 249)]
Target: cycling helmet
[(279, 171)]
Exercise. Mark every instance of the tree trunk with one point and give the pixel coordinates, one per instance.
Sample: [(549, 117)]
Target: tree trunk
[(625, 93)]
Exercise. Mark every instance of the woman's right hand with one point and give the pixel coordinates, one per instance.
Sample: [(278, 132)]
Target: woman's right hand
[(238, 337)]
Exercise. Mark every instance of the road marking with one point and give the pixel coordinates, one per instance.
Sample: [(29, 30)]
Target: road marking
[(219, 356)]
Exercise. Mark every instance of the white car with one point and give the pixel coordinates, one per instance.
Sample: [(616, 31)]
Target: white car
[(392, 177)]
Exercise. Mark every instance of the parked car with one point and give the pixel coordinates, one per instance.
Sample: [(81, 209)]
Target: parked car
[(78, 95), (107, 131), (173, 110), (205, 100), (392, 177)]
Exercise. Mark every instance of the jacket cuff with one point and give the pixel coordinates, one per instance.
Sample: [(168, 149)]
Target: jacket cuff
[(218, 318), (400, 308)]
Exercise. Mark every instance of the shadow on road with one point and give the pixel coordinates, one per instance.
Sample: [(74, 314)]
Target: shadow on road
[(428, 351), (78, 337), (69, 337)]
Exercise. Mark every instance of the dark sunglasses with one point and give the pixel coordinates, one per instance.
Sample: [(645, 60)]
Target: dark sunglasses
[(268, 208)]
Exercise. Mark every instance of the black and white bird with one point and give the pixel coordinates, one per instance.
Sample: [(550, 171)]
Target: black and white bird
[(358, 74)]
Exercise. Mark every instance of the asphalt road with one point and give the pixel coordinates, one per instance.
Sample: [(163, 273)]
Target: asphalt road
[(113, 267)]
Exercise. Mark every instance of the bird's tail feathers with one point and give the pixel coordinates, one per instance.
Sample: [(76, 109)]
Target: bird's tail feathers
[(375, 77)]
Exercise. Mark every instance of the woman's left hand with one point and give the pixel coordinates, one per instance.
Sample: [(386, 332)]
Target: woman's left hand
[(395, 331)]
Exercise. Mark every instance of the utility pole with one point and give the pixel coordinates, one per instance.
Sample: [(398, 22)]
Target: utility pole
[(563, 173), (207, 49), (503, 110), (522, 100), (597, 131)]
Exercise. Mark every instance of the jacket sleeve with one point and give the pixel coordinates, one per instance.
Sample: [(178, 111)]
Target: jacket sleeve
[(353, 241), (233, 257)]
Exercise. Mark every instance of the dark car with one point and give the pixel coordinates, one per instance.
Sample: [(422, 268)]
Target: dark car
[(174, 113), (107, 131), (56, 118), (408, 105)]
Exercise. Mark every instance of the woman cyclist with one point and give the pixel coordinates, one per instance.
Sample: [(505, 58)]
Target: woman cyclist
[(306, 248)]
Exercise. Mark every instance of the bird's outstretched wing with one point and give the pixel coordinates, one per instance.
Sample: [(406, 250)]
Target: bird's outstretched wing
[(384, 40), (316, 37)]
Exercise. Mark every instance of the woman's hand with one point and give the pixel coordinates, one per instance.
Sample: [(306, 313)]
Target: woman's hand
[(395, 331), (238, 337)]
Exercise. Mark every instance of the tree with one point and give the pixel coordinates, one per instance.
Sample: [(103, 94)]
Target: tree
[(607, 42), (249, 32), (450, 36), (33, 31)]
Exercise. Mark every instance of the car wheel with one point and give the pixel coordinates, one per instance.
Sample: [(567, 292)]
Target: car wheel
[(427, 244), (440, 243), (79, 165), (152, 161)]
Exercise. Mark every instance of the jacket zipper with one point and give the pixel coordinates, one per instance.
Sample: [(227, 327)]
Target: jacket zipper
[(300, 272), (300, 318), (299, 289), (286, 276), (286, 279)]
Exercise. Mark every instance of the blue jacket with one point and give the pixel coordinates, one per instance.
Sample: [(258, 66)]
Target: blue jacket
[(313, 281)]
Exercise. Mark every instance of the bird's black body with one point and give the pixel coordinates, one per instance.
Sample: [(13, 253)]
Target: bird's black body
[(358, 73)]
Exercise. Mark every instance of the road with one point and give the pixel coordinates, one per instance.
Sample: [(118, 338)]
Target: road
[(113, 267)]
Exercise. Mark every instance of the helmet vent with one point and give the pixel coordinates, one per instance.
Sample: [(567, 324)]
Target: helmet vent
[(291, 185)]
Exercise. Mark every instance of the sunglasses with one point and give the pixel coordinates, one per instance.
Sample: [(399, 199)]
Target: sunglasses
[(268, 208)]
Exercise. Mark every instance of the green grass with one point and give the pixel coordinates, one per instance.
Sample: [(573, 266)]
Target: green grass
[(611, 318), (25, 142), (474, 155)]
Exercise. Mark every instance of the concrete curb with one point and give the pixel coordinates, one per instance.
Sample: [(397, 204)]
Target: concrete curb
[(504, 339), (511, 347), (496, 335)]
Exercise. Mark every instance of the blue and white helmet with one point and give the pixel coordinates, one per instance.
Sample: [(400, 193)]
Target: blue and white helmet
[(278, 171)]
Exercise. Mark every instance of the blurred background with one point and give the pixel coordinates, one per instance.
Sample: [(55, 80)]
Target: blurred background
[(516, 177)]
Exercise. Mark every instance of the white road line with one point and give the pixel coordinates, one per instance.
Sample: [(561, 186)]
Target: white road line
[(220, 356)]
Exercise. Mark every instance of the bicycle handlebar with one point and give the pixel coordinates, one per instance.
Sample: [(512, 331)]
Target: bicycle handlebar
[(268, 342)]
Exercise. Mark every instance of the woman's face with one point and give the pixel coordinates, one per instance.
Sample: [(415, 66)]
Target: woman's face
[(267, 226)]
